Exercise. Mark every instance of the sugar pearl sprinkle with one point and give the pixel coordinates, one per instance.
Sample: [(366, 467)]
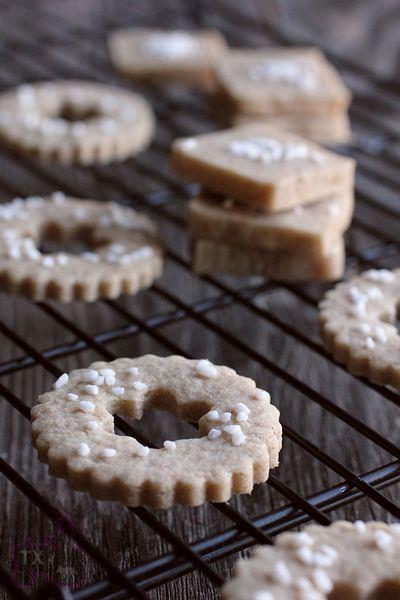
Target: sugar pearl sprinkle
[(206, 369), (379, 275), (139, 386), (108, 452), (143, 451), (92, 425), (86, 406), (213, 434), (83, 450), (72, 397), (261, 395), (168, 445), (61, 381)]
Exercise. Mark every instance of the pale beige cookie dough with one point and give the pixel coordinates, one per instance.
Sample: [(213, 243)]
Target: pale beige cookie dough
[(341, 562), (118, 249), (240, 433), (358, 325), (210, 256), (164, 55), (281, 81), (72, 121), (314, 227), (262, 167)]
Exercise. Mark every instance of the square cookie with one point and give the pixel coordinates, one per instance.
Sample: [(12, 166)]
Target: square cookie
[(262, 167), (314, 228), (210, 256), (160, 54), (281, 80)]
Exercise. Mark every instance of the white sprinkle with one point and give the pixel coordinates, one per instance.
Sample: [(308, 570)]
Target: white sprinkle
[(324, 560), (231, 429), (238, 438), (188, 143), (225, 417), (322, 581), (90, 256), (281, 573), (169, 445), (262, 595), (360, 526), (212, 415), (333, 209), (328, 551), (86, 406), (374, 293), (140, 386), (381, 539), (92, 425), (355, 295), (380, 334), (89, 376), (62, 380), (363, 327), (143, 451), (240, 407), (58, 197), (92, 390), (305, 555), (109, 379), (303, 584), (80, 213), (106, 372), (78, 129), (369, 343), (242, 416), (99, 380), (213, 434), (108, 453), (206, 369), (133, 371), (62, 259), (358, 310), (48, 261), (83, 450), (261, 395), (118, 391), (71, 396)]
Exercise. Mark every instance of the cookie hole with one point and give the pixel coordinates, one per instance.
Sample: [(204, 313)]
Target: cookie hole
[(386, 590), (344, 591), (73, 113), (54, 239), (160, 425)]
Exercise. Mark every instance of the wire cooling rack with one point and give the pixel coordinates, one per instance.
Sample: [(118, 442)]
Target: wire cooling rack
[(44, 46)]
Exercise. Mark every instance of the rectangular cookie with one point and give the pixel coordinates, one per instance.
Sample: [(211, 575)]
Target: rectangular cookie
[(281, 81), (161, 54), (313, 228), (262, 166), (214, 257)]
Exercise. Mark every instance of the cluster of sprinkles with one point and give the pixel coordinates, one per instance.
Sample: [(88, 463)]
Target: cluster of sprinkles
[(318, 558), (18, 248), (359, 299), (268, 150), (112, 114), (92, 380), (295, 73), (223, 422)]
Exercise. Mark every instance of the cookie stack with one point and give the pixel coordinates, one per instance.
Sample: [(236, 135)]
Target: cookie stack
[(295, 89), (272, 203)]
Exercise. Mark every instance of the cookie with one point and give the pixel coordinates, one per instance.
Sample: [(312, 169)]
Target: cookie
[(358, 325), (163, 55), (343, 560), (278, 81), (75, 121), (210, 256), (121, 249), (314, 227), (262, 167), (240, 433)]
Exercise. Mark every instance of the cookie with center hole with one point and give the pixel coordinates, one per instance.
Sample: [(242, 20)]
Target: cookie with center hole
[(358, 325), (107, 249), (343, 560), (240, 433), (72, 121)]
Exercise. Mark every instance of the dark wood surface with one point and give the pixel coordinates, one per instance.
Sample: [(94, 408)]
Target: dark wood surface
[(31, 49)]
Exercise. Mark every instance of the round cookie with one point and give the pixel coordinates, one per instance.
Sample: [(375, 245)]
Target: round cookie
[(72, 121), (125, 251), (344, 560), (357, 322), (240, 433)]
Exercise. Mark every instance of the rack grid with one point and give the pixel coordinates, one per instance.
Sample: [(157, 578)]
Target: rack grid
[(75, 47)]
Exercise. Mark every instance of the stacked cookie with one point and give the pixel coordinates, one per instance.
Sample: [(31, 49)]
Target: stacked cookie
[(273, 204), (295, 89)]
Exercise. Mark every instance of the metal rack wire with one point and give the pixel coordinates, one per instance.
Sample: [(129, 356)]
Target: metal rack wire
[(41, 55)]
